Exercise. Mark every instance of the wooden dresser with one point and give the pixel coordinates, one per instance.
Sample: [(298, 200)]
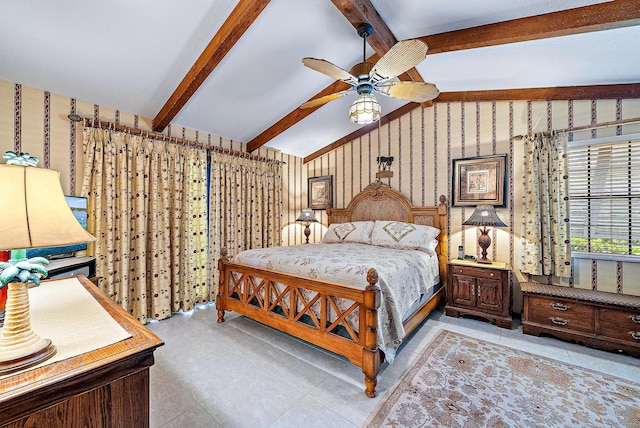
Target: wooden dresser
[(108, 387), (602, 320)]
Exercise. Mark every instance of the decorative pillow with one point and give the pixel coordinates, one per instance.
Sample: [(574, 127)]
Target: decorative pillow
[(405, 236), (355, 231)]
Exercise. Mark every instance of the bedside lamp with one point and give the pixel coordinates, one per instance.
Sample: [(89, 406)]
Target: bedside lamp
[(484, 215), (34, 214), (307, 217)]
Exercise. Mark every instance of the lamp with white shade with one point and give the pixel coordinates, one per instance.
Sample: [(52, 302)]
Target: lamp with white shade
[(34, 214)]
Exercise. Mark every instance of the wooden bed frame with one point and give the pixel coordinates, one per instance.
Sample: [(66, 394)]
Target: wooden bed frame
[(250, 291)]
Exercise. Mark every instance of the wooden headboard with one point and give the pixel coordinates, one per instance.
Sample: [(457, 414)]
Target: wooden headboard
[(379, 202)]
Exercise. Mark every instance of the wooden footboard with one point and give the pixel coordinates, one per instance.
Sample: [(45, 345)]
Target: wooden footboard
[(291, 303)]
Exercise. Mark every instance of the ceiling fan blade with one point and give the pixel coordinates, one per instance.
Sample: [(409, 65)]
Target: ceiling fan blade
[(323, 100), (411, 91), (401, 57), (331, 70)]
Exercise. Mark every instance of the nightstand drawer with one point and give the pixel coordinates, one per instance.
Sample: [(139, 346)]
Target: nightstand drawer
[(620, 324), (561, 313), (478, 272)]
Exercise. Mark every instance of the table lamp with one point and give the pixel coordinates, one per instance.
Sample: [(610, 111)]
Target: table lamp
[(484, 215), (307, 217), (34, 214)]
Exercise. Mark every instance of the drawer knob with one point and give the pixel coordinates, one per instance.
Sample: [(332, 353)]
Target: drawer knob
[(559, 306), (559, 321), (635, 334), (460, 271), (635, 318), (491, 274)]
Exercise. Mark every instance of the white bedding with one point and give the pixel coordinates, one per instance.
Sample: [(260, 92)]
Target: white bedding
[(404, 275)]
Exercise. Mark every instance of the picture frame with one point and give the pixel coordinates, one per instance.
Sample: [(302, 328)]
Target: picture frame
[(479, 180), (320, 191)]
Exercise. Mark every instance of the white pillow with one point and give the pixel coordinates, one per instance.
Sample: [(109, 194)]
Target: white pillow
[(404, 236), (355, 231)]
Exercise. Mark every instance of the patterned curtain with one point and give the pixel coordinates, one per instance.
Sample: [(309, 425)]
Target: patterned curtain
[(148, 209), (545, 242), (245, 206)]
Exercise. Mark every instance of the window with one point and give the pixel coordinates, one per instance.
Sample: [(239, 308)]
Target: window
[(604, 190)]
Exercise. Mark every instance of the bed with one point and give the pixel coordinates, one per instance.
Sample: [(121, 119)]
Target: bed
[(339, 318)]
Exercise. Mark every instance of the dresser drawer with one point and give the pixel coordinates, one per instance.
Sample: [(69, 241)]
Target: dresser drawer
[(478, 272), (561, 313), (620, 324)]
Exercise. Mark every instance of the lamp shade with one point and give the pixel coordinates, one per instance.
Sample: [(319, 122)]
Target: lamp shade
[(484, 215), (365, 109), (307, 216), (34, 212)]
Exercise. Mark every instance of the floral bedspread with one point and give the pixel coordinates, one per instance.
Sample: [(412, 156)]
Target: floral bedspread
[(403, 276)]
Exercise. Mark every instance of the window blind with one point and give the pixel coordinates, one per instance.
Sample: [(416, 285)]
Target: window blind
[(604, 190)]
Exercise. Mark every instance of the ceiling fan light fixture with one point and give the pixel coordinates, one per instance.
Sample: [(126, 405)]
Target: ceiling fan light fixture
[(365, 109)]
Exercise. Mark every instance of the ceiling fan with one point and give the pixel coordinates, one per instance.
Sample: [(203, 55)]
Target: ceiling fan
[(366, 78)]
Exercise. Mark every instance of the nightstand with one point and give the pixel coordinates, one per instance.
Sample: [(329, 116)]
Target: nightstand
[(479, 289)]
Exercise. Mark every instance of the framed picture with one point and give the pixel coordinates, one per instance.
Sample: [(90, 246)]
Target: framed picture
[(320, 192), (479, 180)]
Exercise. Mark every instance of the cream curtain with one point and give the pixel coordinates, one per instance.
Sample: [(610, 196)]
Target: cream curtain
[(148, 210), (545, 242), (245, 206)]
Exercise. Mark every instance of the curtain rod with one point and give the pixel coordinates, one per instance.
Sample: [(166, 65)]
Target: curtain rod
[(94, 123), (585, 127)]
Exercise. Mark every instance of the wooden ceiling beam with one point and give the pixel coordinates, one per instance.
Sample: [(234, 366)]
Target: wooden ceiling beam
[(597, 92), (240, 19), (597, 17), (629, 90), (382, 39), (614, 14)]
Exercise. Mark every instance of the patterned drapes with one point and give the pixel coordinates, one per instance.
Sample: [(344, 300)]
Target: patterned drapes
[(245, 206), (545, 242), (148, 209)]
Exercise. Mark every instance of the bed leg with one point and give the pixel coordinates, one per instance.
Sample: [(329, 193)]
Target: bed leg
[(370, 353), (370, 370)]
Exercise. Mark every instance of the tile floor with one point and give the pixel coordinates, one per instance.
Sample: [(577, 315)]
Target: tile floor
[(243, 374)]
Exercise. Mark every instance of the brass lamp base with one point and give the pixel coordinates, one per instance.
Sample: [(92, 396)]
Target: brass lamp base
[(20, 347)]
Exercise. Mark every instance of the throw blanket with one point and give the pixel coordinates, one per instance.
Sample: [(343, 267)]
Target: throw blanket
[(403, 276)]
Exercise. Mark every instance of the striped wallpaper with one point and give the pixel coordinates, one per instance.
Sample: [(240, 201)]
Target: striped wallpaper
[(423, 143)]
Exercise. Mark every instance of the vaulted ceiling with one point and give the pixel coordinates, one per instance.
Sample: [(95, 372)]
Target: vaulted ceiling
[(233, 69)]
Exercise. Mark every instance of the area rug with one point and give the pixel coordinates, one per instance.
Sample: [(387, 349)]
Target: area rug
[(459, 381)]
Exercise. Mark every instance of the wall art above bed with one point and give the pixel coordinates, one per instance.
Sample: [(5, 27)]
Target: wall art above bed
[(479, 180), (320, 192)]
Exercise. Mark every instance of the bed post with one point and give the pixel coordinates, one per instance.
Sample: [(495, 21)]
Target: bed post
[(443, 251), (370, 353), (224, 256)]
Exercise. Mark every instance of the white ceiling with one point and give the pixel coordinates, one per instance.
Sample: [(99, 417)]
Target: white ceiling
[(131, 55)]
